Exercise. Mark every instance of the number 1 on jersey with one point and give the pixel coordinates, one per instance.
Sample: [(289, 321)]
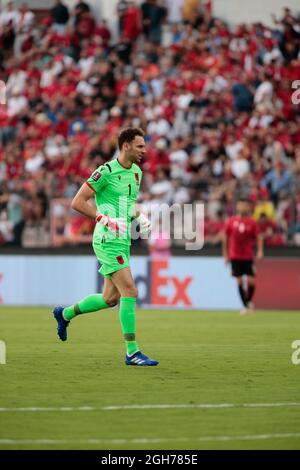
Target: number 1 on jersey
[(129, 186)]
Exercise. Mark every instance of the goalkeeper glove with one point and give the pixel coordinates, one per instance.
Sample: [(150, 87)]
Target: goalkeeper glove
[(144, 222)]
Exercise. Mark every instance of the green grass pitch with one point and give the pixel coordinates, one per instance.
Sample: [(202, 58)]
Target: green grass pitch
[(224, 382)]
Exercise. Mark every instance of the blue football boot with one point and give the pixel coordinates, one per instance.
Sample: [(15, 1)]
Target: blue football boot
[(139, 359), (62, 324)]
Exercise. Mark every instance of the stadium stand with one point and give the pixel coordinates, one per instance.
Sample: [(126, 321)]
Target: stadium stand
[(216, 103)]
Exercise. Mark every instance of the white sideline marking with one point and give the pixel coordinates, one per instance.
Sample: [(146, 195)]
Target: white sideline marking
[(199, 405), (151, 407), (2, 343), (253, 437)]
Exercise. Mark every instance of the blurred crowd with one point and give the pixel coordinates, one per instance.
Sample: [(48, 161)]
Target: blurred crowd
[(219, 106)]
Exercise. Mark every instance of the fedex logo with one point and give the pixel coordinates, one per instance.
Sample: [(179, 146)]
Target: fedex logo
[(156, 287)]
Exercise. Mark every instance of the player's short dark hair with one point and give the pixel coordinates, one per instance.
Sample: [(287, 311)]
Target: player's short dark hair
[(128, 135)]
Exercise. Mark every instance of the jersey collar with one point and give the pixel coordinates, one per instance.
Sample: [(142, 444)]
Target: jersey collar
[(124, 167)]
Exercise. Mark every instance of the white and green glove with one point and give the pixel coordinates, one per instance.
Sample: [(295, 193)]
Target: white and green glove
[(144, 223)]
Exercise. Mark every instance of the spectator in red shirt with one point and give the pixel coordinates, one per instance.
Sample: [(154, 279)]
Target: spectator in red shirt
[(86, 25), (241, 234), (213, 229), (131, 23), (269, 231), (103, 32)]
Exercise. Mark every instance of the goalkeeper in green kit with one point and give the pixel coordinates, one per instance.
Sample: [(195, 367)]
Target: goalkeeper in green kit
[(115, 186)]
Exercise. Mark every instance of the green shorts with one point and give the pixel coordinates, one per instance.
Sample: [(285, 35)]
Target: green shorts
[(113, 256)]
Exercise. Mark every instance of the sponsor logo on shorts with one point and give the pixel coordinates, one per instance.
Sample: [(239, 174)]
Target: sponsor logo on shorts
[(120, 259)]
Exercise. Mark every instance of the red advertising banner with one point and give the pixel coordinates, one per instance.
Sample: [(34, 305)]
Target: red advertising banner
[(278, 284), (159, 279)]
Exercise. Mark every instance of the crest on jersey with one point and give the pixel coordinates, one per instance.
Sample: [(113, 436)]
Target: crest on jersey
[(137, 179), (96, 176)]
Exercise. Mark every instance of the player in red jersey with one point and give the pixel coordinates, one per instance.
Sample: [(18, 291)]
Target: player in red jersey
[(240, 236)]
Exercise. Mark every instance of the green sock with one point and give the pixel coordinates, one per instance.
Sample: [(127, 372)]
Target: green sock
[(127, 319), (91, 303)]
